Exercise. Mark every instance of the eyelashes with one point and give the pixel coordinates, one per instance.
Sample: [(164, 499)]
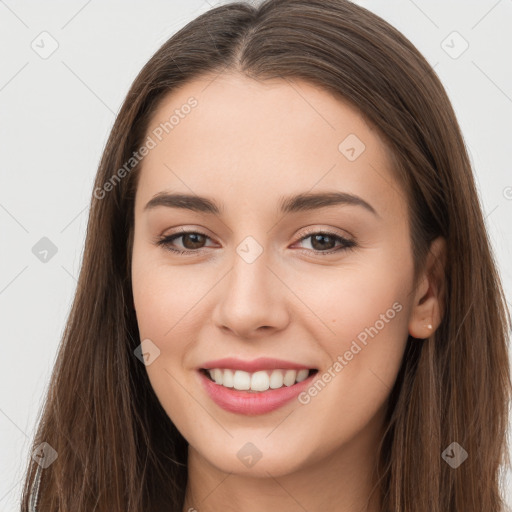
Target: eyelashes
[(167, 242)]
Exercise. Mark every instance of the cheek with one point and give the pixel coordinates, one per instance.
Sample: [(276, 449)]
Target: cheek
[(359, 301), (164, 310), (164, 297), (365, 309), (351, 393)]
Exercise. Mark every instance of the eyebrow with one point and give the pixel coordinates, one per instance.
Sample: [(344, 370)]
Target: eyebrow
[(306, 201)]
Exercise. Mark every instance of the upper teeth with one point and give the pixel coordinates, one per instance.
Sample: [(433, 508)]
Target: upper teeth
[(257, 381)]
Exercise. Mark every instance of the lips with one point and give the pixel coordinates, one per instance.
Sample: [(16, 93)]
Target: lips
[(252, 403), (262, 363)]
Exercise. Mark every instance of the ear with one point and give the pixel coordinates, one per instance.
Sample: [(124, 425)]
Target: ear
[(427, 311)]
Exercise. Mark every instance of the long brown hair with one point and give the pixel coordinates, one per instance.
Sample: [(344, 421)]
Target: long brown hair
[(117, 449)]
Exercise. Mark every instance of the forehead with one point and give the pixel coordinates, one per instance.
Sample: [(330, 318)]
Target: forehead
[(222, 134)]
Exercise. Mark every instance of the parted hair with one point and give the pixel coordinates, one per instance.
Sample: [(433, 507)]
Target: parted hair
[(118, 451)]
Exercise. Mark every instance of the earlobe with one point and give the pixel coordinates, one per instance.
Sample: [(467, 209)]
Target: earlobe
[(428, 310)]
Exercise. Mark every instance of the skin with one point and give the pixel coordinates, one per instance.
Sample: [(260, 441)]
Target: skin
[(246, 144)]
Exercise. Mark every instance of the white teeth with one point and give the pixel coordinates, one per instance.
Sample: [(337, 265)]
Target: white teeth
[(217, 376), (258, 381), (227, 378), (276, 379), (302, 375), (289, 377), (241, 380)]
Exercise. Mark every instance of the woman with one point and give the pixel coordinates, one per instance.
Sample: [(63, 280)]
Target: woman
[(288, 299)]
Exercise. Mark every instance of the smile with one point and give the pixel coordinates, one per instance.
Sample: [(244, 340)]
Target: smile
[(249, 401), (258, 381)]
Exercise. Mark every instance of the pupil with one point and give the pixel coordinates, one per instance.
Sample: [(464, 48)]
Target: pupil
[(318, 238), (194, 242)]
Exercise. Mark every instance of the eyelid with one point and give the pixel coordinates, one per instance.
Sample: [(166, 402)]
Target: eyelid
[(165, 240), (347, 242), (185, 231), (311, 230)]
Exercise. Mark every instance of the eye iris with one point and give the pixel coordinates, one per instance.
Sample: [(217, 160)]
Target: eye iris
[(320, 237), (197, 240)]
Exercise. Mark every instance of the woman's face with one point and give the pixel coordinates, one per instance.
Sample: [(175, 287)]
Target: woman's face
[(260, 280)]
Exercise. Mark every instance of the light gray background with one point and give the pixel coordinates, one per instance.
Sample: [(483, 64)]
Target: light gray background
[(56, 113)]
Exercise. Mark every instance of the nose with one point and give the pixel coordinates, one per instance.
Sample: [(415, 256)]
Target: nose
[(252, 301)]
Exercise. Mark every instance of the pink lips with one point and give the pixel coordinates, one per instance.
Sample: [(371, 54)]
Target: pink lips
[(243, 402)]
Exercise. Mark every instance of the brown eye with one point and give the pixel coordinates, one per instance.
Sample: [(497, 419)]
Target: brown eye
[(192, 241), (325, 243), (320, 242)]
